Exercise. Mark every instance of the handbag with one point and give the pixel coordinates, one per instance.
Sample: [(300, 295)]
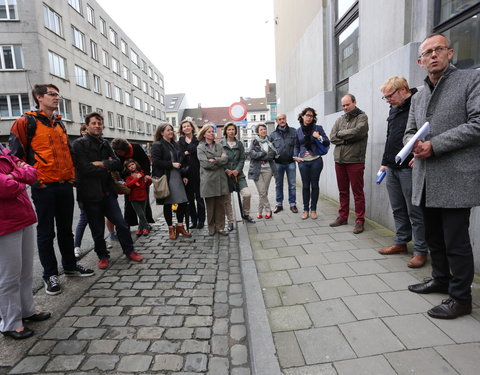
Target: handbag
[(120, 187), (322, 150), (160, 187)]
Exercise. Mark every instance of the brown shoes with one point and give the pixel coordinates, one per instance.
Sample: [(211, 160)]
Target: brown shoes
[(417, 261), (393, 249), (277, 209), (338, 221), (358, 227), (180, 229), (171, 233), (294, 209), (314, 215), (305, 215)]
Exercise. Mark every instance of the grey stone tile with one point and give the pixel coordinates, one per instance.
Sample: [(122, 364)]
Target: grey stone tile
[(297, 241), (305, 275), (283, 263), (297, 294), (339, 256), (329, 313), (398, 280), (320, 345), (366, 267), (311, 260), (135, 363), (65, 363), (238, 354), (416, 331), (274, 243), (273, 279), (316, 248), (288, 318), (394, 263), (218, 366), (102, 362), (320, 238), (368, 306), (290, 251), (133, 346), (69, 347), (370, 337), (367, 284), (343, 236), (368, 243), (196, 362), (335, 288), (265, 254), (326, 369), (423, 361), (464, 358), (376, 365), (271, 297), (461, 330), (334, 271), (406, 302), (342, 245), (30, 364), (102, 346), (366, 254)]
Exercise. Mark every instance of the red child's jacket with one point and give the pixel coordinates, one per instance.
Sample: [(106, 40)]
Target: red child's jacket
[(138, 187)]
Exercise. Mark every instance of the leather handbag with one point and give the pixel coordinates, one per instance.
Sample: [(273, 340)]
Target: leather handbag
[(160, 187)]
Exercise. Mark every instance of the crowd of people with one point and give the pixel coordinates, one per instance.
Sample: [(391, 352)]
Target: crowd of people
[(202, 174)]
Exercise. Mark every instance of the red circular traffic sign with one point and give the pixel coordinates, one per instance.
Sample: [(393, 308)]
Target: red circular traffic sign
[(237, 111)]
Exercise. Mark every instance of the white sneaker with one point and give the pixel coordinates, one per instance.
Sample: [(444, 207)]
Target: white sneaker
[(77, 252)]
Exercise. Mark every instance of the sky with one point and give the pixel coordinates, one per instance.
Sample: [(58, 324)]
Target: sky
[(214, 51)]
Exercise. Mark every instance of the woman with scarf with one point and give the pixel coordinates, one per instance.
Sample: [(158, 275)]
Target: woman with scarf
[(262, 168), (308, 156), (167, 158)]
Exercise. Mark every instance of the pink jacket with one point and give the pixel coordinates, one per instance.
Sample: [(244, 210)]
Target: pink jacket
[(16, 211)]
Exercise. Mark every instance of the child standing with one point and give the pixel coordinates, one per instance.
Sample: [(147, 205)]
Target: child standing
[(137, 181)]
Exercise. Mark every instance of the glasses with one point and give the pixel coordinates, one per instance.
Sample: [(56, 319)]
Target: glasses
[(386, 97), (429, 52), (309, 115), (54, 94)]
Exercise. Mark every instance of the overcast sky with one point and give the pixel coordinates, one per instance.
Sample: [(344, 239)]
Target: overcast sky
[(214, 51)]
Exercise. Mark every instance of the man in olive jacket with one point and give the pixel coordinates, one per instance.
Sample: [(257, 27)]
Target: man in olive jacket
[(349, 135), (446, 172)]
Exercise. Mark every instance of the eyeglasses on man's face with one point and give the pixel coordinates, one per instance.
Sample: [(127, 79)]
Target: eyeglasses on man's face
[(54, 94), (437, 50), (389, 96)]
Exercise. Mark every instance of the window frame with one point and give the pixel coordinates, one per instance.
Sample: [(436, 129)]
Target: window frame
[(51, 56), (108, 89), (20, 99), (14, 57), (76, 32), (47, 14), (97, 84), (76, 4), (7, 9), (79, 69), (94, 50), (113, 36), (90, 15)]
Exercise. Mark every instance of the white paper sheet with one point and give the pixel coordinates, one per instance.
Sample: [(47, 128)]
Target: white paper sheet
[(407, 149)]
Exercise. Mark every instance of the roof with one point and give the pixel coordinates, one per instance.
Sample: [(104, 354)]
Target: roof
[(255, 104), (173, 101), (217, 115)]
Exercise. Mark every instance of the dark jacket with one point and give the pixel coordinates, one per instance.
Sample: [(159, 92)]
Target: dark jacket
[(93, 182), (300, 149), (259, 156), (397, 122), (191, 160), (140, 156), (236, 161), (284, 142)]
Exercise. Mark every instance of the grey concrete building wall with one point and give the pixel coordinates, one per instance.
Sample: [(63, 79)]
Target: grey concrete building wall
[(387, 48), (36, 40)]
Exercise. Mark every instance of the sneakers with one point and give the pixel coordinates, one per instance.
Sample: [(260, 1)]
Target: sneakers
[(136, 257), (52, 285), (80, 271), (77, 251), (113, 236), (103, 263)]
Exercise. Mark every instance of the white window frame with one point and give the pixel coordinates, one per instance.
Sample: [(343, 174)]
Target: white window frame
[(117, 94), (52, 20), (134, 57), (22, 110), (103, 27), (7, 8), (113, 37), (90, 15), (145, 87), (137, 103), (76, 4), (105, 59), (17, 56), (126, 73), (120, 122), (57, 65), (115, 66), (128, 99), (97, 84), (65, 109), (130, 124), (94, 50), (124, 47), (155, 78), (140, 126), (111, 124), (136, 80), (78, 39), (81, 77), (146, 108), (85, 109), (108, 90)]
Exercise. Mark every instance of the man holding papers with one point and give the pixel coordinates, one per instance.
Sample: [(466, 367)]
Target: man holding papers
[(408, 218), (446, 172)]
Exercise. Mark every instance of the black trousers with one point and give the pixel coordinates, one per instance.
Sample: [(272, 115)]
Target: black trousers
[(446, 232)]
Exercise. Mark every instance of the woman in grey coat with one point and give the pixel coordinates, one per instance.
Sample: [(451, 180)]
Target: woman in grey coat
[(213, 180), (262, 168)]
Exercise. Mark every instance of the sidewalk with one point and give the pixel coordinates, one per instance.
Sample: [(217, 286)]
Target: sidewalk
[(336, 306)]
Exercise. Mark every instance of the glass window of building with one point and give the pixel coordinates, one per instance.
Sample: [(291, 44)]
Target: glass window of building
[(145, 87), (152, 111), (13, 105), (111, 125), (113, 37), (144, 66), (65, 109), (262, 117), (139, 126), (52, 20), (8, 10), (105, 59), (94, 50), (124, 47), (137, 103), (81, 77), (146, 107), (136, 80), (90, 15), (76, 4), (103, 27), (120, 122), (117, 94), (343, 6), (130, 124), (85, 109), (11, 57), (128, 99), (125, 73), (150, 72), (155, 77), (97, 85), (57, 65), (459, 21), (78, 39), (161, 82), (162, 99), (134, 57), (157, 96), (115, 65), (108, 89)]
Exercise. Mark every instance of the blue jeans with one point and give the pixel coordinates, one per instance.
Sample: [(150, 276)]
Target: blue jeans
[(81, 225), (408, 218), (310, 172), (290, 169), (96, 213), (54, 207)]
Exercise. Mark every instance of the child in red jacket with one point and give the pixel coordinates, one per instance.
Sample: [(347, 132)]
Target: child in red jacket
[(137, 181)]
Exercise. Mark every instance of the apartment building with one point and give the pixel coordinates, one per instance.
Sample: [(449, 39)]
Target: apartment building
[(75, 45)]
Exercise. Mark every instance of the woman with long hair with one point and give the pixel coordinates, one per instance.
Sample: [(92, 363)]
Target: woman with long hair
[(214, 184), (307, 154), (167, 158), (188, 143), (262, 168)]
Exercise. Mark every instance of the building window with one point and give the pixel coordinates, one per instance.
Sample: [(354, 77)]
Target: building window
[(155, 77), (111, 125), (78, 39), (8, 10), (120, 122), (161, 82), (174, 121), (84, 110), (140, 126), (108, 89), (130, 124), (103, 27), (253, 118), (13, 105), (112, 35), (11, 57), (65, 109), (148, 128), (150, 72), (52, 20), (94, 50), (459, 21), (144, 66), (128, 99), (117, 94), (90, 15), (137, 103), (152, 111), (124, 47), (135, 80), (157, 96), (262, 117), (115, 65), (105, 59), (134, 57), (81, 77), (145, 87), (99, 110), (57, 65), (162, 99), (146, 108), (97, 86), (76, 4), (125, 73), (346, 36)]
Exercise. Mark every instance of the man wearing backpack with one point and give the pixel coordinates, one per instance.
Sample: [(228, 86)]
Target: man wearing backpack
[(40, 138)]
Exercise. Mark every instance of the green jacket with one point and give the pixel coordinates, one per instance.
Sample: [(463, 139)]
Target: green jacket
[(236, 161), (213, 180)]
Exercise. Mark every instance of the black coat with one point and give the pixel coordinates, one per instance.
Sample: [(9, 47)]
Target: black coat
[(191, 160), (94, 182)]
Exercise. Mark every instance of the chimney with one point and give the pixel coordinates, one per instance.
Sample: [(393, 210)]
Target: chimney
[(267, 87)]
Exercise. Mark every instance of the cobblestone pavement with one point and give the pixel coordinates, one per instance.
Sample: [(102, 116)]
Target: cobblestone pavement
[(180, 311)]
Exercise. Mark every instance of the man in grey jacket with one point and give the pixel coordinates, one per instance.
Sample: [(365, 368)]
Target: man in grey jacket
[(446, 172)]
